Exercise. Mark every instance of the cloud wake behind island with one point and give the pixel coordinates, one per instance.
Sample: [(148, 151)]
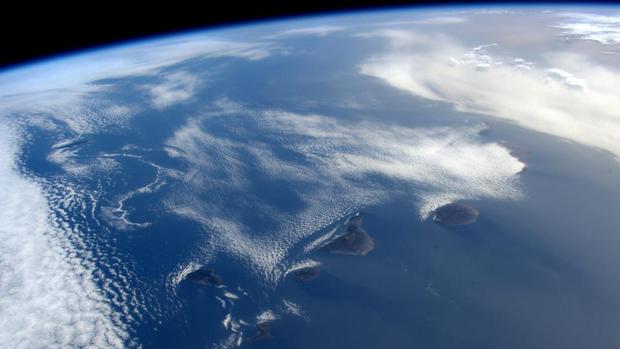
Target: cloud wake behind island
[(333, 168), (571, 97)]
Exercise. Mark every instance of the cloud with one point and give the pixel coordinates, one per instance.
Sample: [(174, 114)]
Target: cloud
[(71, 89), (566, 95), (66, 154), (134, 59), (567, 78), (604, 29), (49, 297), (440, 20), (174, 88), (331, 170), (319, 30)]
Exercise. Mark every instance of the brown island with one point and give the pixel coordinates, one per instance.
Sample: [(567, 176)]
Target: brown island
[(355, 241), (307, 273), (204, 276), (455, 214)]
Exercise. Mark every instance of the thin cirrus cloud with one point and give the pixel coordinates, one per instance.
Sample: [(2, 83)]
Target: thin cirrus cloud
[(440, 20), (567, 95), (323, 30), (64, 87), (331, 178), (318, 30), (435, 20)]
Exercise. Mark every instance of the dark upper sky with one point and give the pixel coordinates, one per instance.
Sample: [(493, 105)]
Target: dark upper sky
[(30, 32)]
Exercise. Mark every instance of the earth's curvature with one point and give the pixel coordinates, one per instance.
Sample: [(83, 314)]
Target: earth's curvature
[(437, 178)]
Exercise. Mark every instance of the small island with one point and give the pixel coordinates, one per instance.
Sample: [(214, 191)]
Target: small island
[(307, 274), (205, 276), (455, 214), (355, 241), (70, 143), (262, 332)]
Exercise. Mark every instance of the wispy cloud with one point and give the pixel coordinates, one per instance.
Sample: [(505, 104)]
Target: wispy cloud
[(137, 59), (319, 30), (438, 20), (61, 88), (567, 95)]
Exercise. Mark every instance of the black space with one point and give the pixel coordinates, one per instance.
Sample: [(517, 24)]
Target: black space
[(31, 31)]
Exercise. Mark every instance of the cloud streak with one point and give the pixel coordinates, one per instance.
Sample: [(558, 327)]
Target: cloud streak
[(71, 90), (319, 30)]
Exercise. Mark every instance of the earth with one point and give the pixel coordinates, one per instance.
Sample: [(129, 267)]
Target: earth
[(432, 178)]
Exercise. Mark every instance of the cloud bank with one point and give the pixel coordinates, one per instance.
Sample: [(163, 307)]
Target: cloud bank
[(571, 97), (48, 297), (604, 29)]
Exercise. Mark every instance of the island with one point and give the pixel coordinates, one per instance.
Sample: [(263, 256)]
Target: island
[(455, 214), (355, 240), (205, 276), (307, 274), (262, 332)]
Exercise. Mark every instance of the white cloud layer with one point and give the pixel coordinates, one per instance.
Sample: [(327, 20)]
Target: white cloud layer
[(604, 29), (47, 294), (572, 97)]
